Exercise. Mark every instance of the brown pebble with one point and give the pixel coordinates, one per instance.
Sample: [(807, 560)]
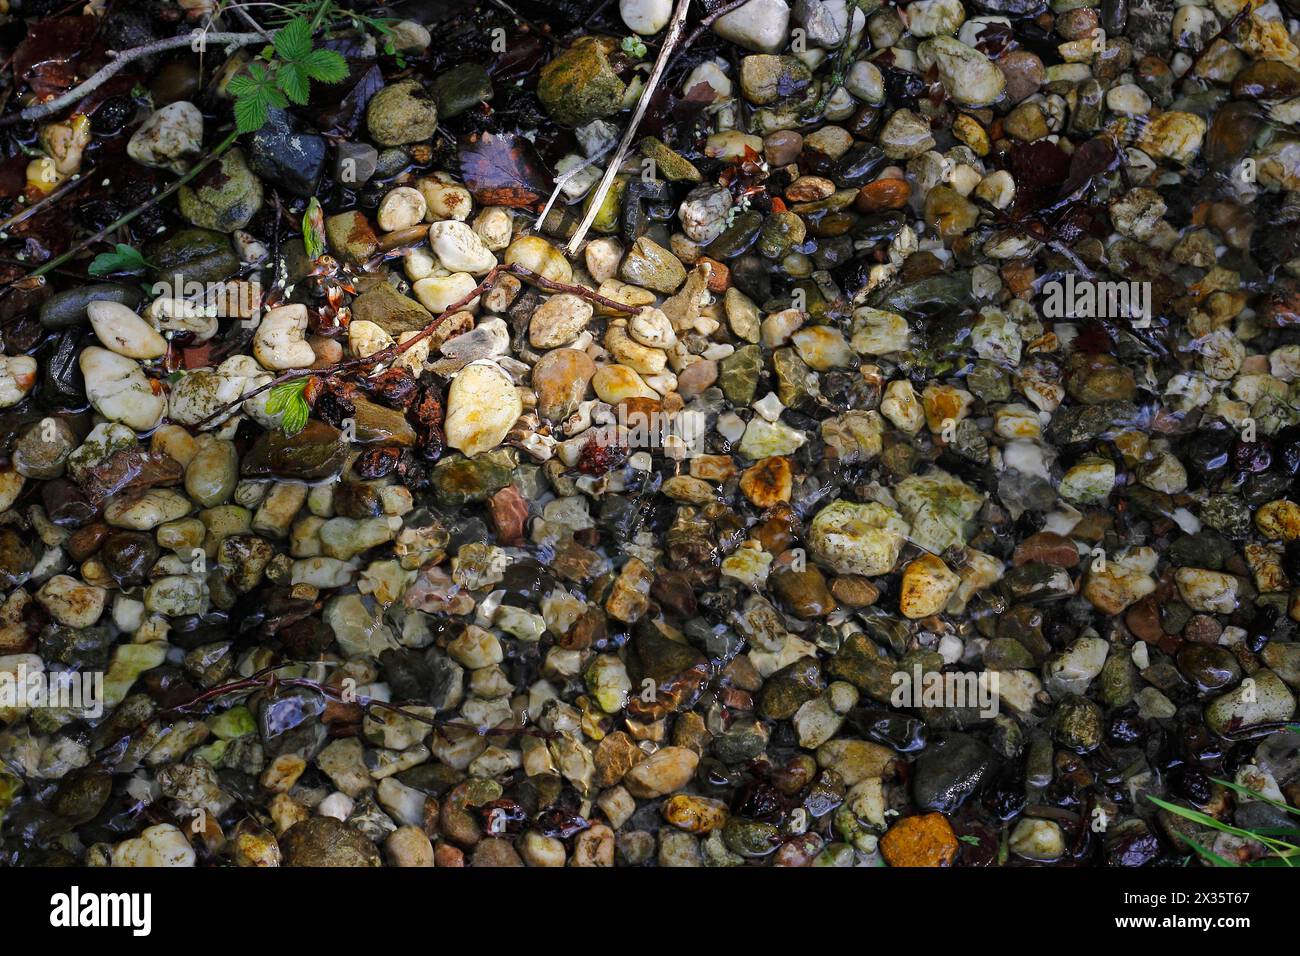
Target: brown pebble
[(1024, 72), (697, 377), (809, 189), (1266, 79), (495, 852), (736, 699), (798, 851), (1077, 23), (719, 275), (768, 482), (782, 147), (742, 674), (448, 855), (1202, 629), (84, 542), (853, 590), (614, 756), (805, 592), (1143, 619), (1047, 547), (672, 589), (509, 513), (587, 629)]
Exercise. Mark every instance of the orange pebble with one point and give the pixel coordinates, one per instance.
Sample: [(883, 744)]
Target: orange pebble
[(883, 194), (926, 840), (719, 277)]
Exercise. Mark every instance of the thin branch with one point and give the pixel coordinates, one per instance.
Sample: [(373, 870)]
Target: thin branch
[(75, 181), (1229, 28), (7, 261), (841, 56), (247, 17), (503, 6), (268, 679), (203, 164), (643, 104), (702, 27), (398, 348), (563, 179), (1064, 250), (79, 92), (370, 704)]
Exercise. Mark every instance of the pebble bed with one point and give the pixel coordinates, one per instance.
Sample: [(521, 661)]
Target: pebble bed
[(901, 468)]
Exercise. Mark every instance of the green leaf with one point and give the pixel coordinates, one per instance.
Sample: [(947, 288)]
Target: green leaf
[(122, 259), (293, 40), (285, 394), (295, 418), (287, 401), (243, 85), (251, 113), (276, 98), (255, 94), (325, 66), (1204, 819), (293, 81), (1276, 831)]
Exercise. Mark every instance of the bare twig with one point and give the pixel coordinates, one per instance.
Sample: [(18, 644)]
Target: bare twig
[(397, 349), (247, 17), (1064, 250), (563, 179), (112, 227), (7, 261), (369, 704), (841, 57), (41, 110), (505, 7), (702, 27), (581, 291), (661, 64), (268, 679), (1228, 30), (74, 182)]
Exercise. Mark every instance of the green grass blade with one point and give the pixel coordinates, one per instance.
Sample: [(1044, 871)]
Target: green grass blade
[(1208, 854), (1196, 816), (1256, 795)]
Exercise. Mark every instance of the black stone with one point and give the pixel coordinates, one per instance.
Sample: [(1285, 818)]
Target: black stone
[(947, 773), (287, 154)]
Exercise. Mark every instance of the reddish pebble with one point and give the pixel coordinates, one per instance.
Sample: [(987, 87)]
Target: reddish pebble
[(1143, 619), (1202, 629), (782, 148), (509, 513), (448, 855), (1046, 547), (696, 377)]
